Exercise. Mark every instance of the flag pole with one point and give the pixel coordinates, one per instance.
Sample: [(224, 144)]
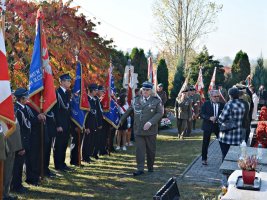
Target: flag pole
[(41, 101), (2, 26), (76, 51)]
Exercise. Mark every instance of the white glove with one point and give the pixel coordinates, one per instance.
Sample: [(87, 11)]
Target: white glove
[(147, 126), (128, 125)]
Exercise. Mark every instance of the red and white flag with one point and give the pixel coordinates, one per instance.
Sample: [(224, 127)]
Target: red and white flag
[(212, 82), (130, 89), (150, 73), (6, 104), (200, 85)]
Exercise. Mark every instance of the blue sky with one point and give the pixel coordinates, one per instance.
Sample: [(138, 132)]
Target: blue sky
[(242, 24)]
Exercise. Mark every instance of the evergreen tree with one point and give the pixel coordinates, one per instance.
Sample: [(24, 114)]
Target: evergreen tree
[(163, 75), (259, 75), (240, 67), (177, 82), (119, 61), (208, 64), (139, 61)]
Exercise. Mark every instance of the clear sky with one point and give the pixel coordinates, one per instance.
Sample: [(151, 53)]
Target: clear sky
[(242, 24)]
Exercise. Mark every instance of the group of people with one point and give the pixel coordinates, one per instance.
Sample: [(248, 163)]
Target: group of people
[(96, 139)]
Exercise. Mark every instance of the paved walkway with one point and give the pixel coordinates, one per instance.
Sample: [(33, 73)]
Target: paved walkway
[(197, 172)]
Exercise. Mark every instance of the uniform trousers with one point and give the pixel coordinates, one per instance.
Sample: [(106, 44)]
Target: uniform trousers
[(60, 147), (88, 145), (145, 145), (8, 171), (74, 147), (181, 126)]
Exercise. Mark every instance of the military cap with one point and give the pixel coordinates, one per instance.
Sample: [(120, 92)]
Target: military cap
[(219, 85), (21, 92), (101, 88), (65, 77), (160, 85), (93, 86), (147, 85)]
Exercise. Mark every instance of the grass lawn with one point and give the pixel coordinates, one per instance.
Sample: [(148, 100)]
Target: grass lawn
[(111, 176)]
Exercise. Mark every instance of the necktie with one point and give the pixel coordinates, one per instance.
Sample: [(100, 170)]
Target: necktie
[(215, 109), (145, 100)]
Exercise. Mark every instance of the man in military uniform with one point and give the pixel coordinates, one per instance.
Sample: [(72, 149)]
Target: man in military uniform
[(62, 116), (183, 111), (147, 111), (196, 99)]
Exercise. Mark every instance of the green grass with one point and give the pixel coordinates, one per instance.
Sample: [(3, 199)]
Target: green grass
[(111, 176)]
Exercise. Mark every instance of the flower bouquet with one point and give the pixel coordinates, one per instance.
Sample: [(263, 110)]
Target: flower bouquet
[(261, 134), (248, 165), (263, 114)]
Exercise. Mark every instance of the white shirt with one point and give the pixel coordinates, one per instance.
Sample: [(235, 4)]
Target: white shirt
[(23, 106), (146, 99), (215, 109), (64, 90)]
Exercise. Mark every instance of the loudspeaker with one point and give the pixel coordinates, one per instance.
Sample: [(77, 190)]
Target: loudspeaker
[(169, 191)]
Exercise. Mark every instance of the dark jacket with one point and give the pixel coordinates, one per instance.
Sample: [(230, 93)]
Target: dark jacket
[(62, 109), (95, 117), (207, 112)]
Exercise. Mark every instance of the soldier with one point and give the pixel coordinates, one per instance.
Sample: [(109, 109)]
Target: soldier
[(196, 100), (147, 113), (62, 116), (183, 111), (13, 145)]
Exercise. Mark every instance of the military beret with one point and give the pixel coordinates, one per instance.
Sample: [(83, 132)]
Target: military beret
[(64, 77), (160, 85), (93, 86), (147, 85), (21, 92), (101, 88)]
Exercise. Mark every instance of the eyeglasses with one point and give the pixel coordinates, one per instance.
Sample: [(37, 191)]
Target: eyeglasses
[(145, 89)]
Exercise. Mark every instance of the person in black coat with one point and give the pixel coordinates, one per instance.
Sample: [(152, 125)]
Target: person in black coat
[(25, 133), (93, 122), (210, 112), (62, 116)]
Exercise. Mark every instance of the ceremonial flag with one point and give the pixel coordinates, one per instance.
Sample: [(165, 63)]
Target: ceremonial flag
[(150, 73), (212, 82), (185, 85), (130, 90), (41, 78), (112, 116), (6, 104), (106, 97), (79, 103), (200, 85), (248, 81)]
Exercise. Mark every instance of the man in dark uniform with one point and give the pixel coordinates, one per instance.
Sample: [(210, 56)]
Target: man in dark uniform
[(89, 140), (62, 116), (147, 113), (50, 134), (22, 115), (162, 94)]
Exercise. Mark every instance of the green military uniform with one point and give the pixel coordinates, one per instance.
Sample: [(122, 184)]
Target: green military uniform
[(145, 111), (2, 143), (183, 110), (13, 144), (196, 108)]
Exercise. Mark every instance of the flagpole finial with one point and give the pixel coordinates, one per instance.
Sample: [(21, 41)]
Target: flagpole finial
[(76, 52)]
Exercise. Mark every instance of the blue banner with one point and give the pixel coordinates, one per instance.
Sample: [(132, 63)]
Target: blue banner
[(113, 116), (36, 83), (78, 115)]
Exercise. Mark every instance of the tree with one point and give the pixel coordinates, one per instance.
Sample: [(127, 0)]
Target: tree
[(259, 76), (65, 30), (208, 64), (240, 67), (178, 81), (163, 75), (139, 61), (181, 23)]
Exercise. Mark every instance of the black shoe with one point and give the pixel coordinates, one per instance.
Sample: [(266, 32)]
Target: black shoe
[(138, 173), (104, 153), (96, 157), (50, 174), (20, 189), (34, 183), (66, 168)]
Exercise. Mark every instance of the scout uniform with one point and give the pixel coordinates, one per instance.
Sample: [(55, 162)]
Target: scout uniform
[(146, 110)]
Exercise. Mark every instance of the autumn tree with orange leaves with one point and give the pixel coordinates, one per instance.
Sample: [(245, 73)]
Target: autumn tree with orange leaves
[(65, 30)]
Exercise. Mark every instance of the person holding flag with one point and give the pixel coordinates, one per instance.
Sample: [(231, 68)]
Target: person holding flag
[(79, 110)]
